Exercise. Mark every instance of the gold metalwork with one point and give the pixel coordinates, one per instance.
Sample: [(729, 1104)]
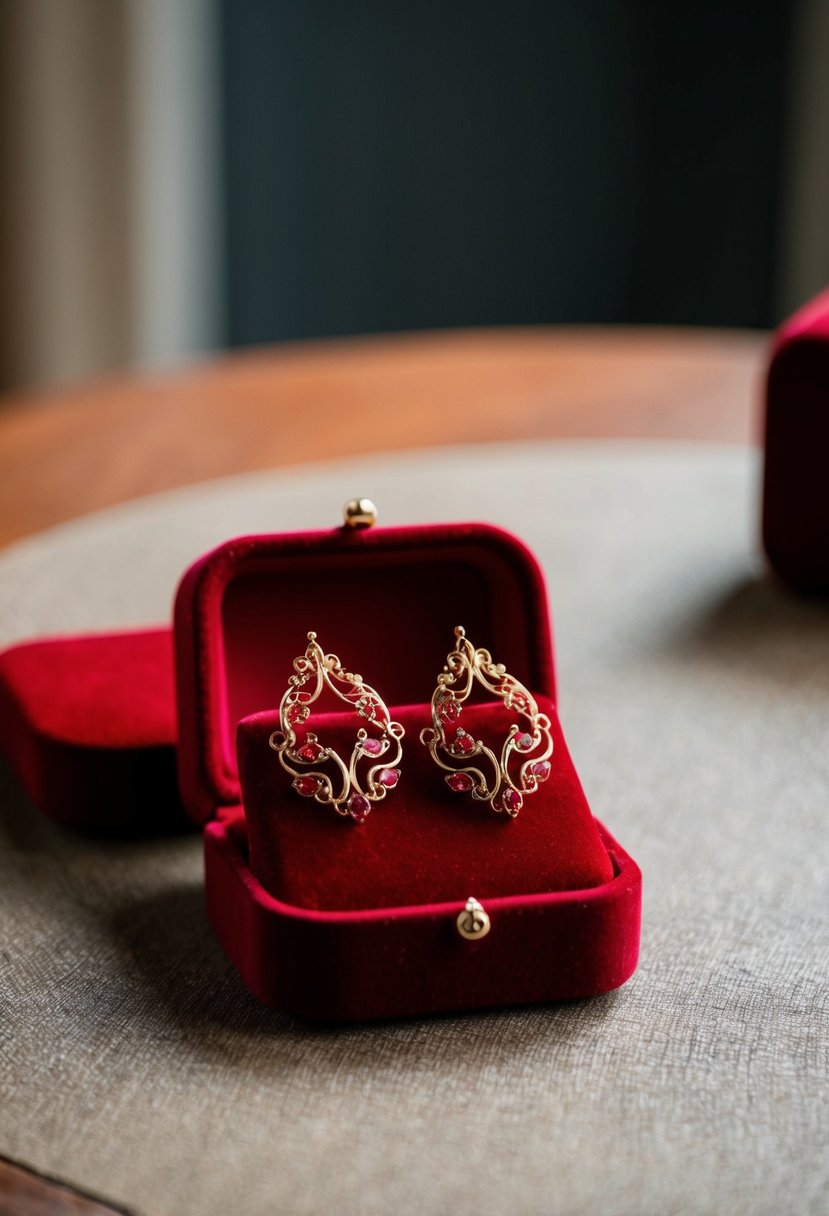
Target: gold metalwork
[(473, 922), (359, 513), (465, 758), (349, 793)]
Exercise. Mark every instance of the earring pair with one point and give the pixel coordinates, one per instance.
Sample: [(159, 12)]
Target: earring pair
[(372, 770)]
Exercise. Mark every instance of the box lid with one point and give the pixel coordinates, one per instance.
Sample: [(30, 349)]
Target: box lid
[(386, 600)]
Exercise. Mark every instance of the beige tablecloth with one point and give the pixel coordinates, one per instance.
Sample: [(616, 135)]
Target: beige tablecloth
[(695, 696)]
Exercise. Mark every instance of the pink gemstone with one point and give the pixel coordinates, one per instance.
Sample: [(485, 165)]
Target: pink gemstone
[(464, 743), (358, 808), (389, 777), (541, 770), (512, 800), (524, 742), (310, 751), (461, 783), (307, 786), (449, 710), (372, 747)]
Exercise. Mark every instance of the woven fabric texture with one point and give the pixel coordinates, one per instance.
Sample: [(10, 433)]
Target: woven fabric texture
[(695, 698)]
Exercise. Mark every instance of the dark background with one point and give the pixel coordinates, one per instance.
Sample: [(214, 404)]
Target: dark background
[(395, 166)]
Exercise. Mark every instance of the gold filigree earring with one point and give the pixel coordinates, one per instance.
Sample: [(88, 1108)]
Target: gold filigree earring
[(350, 786), (504, 780)]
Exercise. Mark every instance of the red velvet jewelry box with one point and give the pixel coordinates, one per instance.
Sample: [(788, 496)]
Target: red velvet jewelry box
[(88, 728), (795, 489), (336, 921)]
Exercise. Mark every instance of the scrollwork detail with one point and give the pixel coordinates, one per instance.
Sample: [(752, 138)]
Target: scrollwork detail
[(471, 765), (356, 785)]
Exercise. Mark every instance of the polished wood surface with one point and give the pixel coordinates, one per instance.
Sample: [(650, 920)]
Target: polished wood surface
[(64, 453), (24, 1193)]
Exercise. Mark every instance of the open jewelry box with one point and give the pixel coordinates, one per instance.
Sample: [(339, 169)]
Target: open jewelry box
[(338, 921), (323, 917)]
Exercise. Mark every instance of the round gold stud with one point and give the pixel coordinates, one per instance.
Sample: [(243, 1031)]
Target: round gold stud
[(359, 513), (473, 923)]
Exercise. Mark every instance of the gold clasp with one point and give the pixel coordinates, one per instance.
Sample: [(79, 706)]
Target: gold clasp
[(473, 923)]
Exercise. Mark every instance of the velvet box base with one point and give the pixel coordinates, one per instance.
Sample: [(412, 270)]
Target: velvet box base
[(398, 962)]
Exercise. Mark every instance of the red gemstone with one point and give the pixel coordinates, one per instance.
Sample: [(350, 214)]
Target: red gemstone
[(310, 751), (449, 710), (372, 747), (461, 783), (296, 712), (358, 807), (307, 786), (541, 770), (464, 743), (389, 777), (512, 800), (524, 742)]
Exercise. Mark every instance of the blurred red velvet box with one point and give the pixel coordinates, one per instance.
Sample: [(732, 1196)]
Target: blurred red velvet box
[(796, 488), (323, 917)]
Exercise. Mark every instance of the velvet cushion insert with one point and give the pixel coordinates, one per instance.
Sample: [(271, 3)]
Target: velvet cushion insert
[(422, 844)]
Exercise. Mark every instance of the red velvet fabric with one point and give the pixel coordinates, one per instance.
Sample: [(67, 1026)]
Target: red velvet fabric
[(87, 725), (355, 924), (396, 962), (360, 921), (422, 844), (796, 492)]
